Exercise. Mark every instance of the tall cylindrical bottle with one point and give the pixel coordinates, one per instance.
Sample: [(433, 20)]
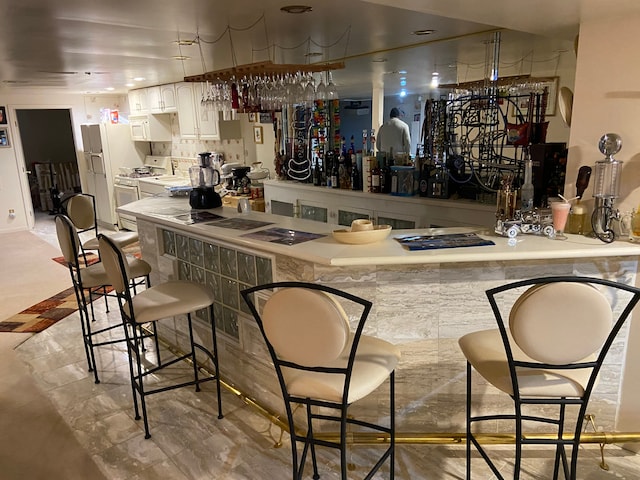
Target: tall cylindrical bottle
[(526, 190)]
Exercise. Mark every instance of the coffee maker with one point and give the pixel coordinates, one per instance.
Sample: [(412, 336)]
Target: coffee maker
[(204, 178)]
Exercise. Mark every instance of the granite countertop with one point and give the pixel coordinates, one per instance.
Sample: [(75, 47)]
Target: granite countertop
[(174, 212)]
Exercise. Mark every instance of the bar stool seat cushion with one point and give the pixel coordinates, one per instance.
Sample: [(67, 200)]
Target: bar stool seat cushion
[(172, 298), (121, 239), (484, 350), (96, 276), (311, 328), (375, 360)]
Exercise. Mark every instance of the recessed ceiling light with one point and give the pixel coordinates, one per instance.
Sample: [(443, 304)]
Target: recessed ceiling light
[(403, 93), (181, 57), (426, 31), (379, 60), (110, 88), (129, 84), (139, 79), (402, 72), (296, 9)]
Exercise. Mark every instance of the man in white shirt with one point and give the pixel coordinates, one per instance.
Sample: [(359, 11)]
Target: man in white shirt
[(394, 136)]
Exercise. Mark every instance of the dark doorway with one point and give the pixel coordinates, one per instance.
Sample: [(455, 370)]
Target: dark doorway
[(50, 156)]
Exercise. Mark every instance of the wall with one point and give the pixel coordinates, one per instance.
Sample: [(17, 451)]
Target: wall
[(607, 99), (14, 188)]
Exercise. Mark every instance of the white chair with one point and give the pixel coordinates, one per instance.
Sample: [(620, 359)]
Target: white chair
[(81, 209), (166, 300), (89, 281), (549, 353), (322, 365)]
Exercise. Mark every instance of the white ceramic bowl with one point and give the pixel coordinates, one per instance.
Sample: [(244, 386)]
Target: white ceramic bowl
[(379, 233)]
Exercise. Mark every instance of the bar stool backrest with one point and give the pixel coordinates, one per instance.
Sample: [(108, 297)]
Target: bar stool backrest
[(82, 212), (68, 240), (307, 327), (115, 265), (560, 323)]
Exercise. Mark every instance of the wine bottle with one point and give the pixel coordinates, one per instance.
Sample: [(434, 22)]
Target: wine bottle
[(355, 174), (526, 190), (375, 178), (317, 173)]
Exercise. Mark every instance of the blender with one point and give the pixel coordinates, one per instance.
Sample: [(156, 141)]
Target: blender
[(204, 178)]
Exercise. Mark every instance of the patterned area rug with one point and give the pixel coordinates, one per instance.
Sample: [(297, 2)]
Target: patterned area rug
[(43, 314)]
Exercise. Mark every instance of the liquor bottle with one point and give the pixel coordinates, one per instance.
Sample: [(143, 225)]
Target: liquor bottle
[(439, 183), (335, 172), (526, 190), (373, 143), (328, 167), (355, 174), (317, 174), (375, 178)]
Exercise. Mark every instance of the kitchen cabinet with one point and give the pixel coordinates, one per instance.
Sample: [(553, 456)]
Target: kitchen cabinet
[(195, 121), (150, 128), (341, 207), (162, 99), (138, 104)]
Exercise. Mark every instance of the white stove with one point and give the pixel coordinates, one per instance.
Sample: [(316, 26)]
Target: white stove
[(127, 185)]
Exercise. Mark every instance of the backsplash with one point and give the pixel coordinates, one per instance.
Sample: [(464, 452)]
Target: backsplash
[(184, 151)]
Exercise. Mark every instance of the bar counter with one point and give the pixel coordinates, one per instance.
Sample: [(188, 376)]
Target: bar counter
[(423, 301)]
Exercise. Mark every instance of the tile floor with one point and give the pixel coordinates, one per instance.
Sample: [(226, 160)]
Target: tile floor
[(189, 442)]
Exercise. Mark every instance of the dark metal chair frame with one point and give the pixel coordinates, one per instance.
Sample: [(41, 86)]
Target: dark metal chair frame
[(307, 438), (560, 442), (81, 291), (133, 337)]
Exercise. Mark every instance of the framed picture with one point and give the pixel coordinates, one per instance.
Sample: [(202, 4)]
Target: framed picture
[(3, 115), (4, 137), (252, 117), (550, 84), (257, 134)]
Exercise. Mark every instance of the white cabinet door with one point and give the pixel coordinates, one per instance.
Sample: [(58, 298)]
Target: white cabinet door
[(162, 99), (138, 103), (168, 98), (208, 122), (195, 122), (186, 110)]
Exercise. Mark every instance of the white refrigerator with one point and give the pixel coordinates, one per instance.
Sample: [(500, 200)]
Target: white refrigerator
[(107, 147)]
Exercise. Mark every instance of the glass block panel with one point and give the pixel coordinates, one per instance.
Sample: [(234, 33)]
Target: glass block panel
[(309, 212), (203, 314), (169, 242), (198, 275), (182, 247), (230, 292), (346, 217), (213, 281), (184, 271), (395, 223), (282, 208), (196, 252), (228, 263), (246, 268), (218, 314), (230, 323), (263, 270), (243, 305), (211, 257)]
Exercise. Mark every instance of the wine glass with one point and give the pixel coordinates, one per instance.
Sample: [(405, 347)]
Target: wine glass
[(309, 92), (332, 92), (321, 90)]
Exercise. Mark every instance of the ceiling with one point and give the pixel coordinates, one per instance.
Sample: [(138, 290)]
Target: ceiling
[(90, 45)]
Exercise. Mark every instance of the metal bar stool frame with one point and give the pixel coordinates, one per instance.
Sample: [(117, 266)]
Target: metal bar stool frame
[(132, 336), (569, 469), (85, 295), (307, 438)]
